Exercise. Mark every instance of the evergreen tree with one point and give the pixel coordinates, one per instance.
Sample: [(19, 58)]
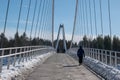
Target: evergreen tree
[(116, 44), (107, 42)]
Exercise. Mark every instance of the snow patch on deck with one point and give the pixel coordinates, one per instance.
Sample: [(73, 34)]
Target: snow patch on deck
[(20, 71)]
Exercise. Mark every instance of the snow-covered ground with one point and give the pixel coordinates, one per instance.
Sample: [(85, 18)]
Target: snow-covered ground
[(20, 71), (106, 71)]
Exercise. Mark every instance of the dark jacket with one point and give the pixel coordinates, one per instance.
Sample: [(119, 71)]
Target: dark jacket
[(80, 52)]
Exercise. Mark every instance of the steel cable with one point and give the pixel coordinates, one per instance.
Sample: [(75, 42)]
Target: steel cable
[(76, 9), (33, 19), (6, 18), (38, 16), (21, 3), (27, 16), (110, 22), (101, 20)]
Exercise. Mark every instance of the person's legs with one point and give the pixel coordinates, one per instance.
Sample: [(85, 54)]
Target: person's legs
[(80, 60)]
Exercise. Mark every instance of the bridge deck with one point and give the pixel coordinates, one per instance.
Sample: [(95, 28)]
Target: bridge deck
[(61, 67)]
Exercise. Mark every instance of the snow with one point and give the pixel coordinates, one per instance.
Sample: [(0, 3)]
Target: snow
[(20, 71), (106, 71)]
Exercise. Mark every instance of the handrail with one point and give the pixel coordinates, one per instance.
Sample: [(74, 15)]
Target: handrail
[(109, 57), (21, 47), (24, 53), (21, 53)]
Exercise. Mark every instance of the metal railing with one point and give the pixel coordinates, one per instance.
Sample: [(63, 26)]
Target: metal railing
[(111, 58), (13, 55), (108, 57)]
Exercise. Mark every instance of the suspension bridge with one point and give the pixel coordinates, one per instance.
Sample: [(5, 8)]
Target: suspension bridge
[(29, 50)]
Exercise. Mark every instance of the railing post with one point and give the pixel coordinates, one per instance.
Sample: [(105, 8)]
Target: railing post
[(91, 53), (32, 54), (27, 54), (115, 59), (99, 54), (0, 65), (110, 59), (1, 61), (20, 56), (88, 51), (24, 54), (106, 57), (102, 55), (94, 53), (8, 65), (15, 57)]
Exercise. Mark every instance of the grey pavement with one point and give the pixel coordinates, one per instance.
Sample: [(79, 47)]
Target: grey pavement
[(61, 67)]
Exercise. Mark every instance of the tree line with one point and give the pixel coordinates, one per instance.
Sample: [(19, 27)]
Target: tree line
[(101, 42), (22, 40)]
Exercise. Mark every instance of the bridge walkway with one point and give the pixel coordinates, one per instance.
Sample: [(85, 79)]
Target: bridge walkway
[(61, 67)]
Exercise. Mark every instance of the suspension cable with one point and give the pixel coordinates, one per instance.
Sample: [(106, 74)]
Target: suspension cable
[(19, 16), (95, 20), (90, 22), (6, 18), (110, 22), (101, 19), (81, 20), (33, 19), (90, 18), (79, 23), (84, 18), (18, 22), (45, 28), (76, 10), (42, 22), (38, 17), (45, 14), (42, 10), (27, 16), (53, 23), (82, 30), (87, 21), (95, 17)]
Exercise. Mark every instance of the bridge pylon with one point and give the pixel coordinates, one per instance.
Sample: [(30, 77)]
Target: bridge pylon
[(63, 31)]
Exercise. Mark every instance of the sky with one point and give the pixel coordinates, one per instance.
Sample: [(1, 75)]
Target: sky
[(64, 14)]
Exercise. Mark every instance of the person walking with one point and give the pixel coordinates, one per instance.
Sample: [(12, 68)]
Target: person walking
[(80, 54)]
